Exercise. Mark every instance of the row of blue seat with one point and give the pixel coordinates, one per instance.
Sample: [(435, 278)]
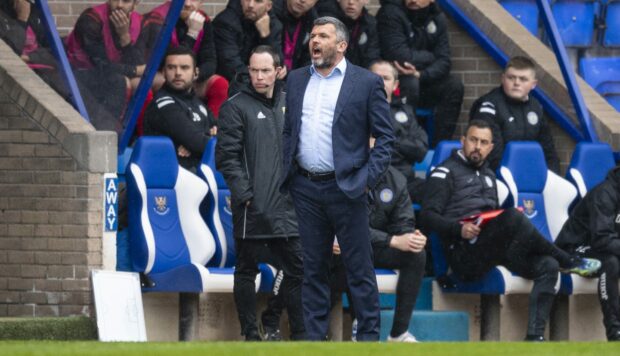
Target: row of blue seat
[(524, 172), (603, 75), (577, 20)]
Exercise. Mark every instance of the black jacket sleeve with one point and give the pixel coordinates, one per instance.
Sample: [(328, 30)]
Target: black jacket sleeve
[(207, 59), (401, 218), (227, 31), (392, 30), (602, 224), (229, 152), (546, 141), (438, 189), (440, 66), (411, 143)]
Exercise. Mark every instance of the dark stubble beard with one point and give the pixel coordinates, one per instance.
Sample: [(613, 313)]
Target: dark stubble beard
[(327, 61)]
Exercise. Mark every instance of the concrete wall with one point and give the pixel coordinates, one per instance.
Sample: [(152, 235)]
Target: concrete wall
[(51, 168)]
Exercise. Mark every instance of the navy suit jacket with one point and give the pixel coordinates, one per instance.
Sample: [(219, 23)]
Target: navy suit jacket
[(361, 111)]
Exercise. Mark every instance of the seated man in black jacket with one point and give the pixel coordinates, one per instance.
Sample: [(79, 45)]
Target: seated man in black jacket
[(297, 17), (249, 156), (396, 244), (414, 34), (411, 142), (464, 185), (593, 230), (514, 114), (363, 46), (177, 112)]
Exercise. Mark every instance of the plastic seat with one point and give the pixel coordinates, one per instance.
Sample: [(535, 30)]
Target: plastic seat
[(575, 21), (525, 11), (589, 165), (611, 36), (603, 74), (169, 241)]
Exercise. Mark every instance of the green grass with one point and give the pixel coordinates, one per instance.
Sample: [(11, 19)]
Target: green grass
[(332, 349), (65, 328)]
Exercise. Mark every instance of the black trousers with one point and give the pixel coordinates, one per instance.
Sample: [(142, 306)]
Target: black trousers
[(608, 294), (512, 241), (411, 266), (445, 96), (279, 252)]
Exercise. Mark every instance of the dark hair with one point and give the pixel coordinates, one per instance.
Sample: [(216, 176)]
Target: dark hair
[(180, 51), (479, 124), (520, 62), (270, 51), (342, 33)]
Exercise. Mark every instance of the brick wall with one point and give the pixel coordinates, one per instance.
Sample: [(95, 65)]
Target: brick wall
[(50, 197)]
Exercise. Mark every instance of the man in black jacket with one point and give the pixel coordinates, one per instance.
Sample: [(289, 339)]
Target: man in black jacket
[(297, 17), (593, 230), (411, 142), (363, 46), (464, 185), (242, 26), (176, 112), (414, 34), (249, 155), (514, 114)]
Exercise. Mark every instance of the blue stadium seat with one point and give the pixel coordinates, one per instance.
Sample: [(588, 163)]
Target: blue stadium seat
[(603, 74), (169, 241), (497, 281), (525, 11), (611, 36), (575, 21), (589, 165)]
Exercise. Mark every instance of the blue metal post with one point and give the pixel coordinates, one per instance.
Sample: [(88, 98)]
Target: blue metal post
[(137, 100), (59, 52), (567, 71)]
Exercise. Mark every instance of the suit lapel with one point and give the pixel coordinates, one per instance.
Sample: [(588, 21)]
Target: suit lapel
[(348, 86), (299, 91)]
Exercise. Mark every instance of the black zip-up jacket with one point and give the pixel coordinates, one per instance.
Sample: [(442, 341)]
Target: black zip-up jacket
[(455, 190), (411, 142), (419, 37), (363, 48), (182, 117), (390, 208), (236, 37), (594, 224), (513, 120), (249, 156), (301, 56)]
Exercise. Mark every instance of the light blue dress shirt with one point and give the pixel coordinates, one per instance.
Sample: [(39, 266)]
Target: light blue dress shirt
[(315, 150)]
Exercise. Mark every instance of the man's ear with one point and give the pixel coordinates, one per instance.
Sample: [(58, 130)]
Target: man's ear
[(196, 72)]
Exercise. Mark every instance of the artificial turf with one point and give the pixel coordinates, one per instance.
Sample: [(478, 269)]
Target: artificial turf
[(332, 349)]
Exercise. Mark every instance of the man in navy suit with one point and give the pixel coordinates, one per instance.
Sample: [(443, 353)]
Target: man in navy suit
[(333, 108)]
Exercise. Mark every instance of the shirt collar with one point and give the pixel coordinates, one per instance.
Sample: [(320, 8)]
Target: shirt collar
[(340, 69)]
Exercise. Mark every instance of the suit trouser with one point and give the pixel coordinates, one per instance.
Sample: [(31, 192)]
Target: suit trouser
[(512, 241), (324, 211), (277, 251)]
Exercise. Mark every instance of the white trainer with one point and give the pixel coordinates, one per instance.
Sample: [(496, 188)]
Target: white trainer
[(404, 337)]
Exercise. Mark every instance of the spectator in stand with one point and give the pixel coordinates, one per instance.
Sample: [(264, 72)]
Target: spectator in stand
[(177, 112), (108, 61), (592, 230), (297, 17), (193, 30), (242, 26), (363, 38), (249, 156), (414, 35), (464, 185), (411, 142), (513, 114)]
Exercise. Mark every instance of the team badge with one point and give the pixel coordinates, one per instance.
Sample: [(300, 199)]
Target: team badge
[(431, 27), (511, 119), (618, 219), (203, 110), (161, 205), (363, 39), (532, 118), (489, 181), (386, 195), (196, 117), (401, 117), (530, 210), (228, 208)]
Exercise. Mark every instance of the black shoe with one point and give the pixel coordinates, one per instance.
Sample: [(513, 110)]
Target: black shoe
[(253, 336), (535, 338), (614, 336), (272, 335)]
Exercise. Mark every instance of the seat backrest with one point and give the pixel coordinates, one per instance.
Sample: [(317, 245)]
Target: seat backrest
[(216, 209), (442, 152), (165, 226), (589, 165), (544, 196), (575, 21), (601, 73), (611, 37), (525, 11)]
